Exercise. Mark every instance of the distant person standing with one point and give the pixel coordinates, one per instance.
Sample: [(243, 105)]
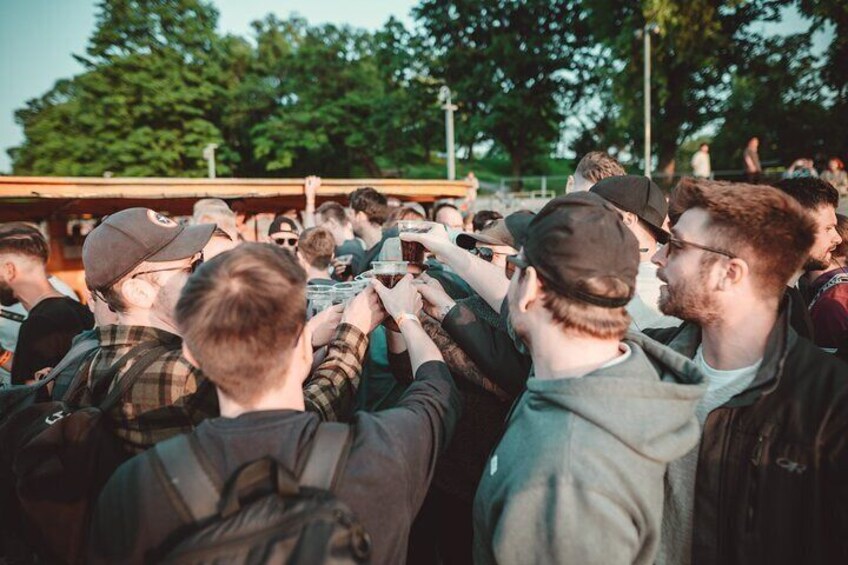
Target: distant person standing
[(836, 175), (753, 169), (701, 167)]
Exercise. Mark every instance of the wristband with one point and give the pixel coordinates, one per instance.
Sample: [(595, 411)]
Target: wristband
[(5, 356), (405, 316)]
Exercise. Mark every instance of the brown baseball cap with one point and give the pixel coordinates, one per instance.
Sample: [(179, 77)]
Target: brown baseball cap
[(130, 237), (577, 237), (510, 231)]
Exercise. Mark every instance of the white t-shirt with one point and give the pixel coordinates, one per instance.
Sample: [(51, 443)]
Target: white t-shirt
[(721, 385)]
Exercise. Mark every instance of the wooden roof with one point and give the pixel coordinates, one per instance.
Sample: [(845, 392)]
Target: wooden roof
[(39, 198)]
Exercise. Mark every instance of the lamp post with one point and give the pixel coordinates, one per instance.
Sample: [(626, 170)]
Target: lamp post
[(449, 107), (209, 155), (645, 34)]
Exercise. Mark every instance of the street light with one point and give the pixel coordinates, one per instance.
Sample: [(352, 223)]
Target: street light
[(449, 107), (209, 155), (645, 34)]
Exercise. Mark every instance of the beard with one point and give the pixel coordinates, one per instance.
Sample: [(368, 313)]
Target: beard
[(814, 264), (689, 300), (7, 295)]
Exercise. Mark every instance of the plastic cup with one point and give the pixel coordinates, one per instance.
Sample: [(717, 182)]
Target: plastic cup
[(318, 299), (390, 272), (412, 251)]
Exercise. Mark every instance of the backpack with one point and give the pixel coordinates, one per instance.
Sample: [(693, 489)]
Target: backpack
[(263, 514), (56, 456)]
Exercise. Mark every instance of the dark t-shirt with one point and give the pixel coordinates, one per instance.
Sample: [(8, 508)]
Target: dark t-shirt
[(384, 481), (352, 252), (46, 335)]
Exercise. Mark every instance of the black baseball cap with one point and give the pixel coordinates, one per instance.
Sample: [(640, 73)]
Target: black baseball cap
[(578, 237), (282, 224), (638, 195), (130, 237), (511, 231)]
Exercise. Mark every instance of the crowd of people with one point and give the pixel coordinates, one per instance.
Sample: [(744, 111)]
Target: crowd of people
[(621, 377)]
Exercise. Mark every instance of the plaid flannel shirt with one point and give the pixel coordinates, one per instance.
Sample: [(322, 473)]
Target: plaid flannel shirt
[(169, 398), (331, 389)]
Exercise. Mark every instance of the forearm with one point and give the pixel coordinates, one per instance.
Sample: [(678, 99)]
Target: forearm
[(486, 279), (421, 348), (331, 389)]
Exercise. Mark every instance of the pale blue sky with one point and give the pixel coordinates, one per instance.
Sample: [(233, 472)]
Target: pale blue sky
[(38, 38)]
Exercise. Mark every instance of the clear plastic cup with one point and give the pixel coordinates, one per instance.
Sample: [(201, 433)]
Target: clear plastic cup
[(412, 251), (318, 299), (343, 292), (390, 272)]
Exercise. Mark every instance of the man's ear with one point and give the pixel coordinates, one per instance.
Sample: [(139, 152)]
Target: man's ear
[(139, 293), (529, 289), (629, 218), (735, 271), (189, 357), (9, 270)]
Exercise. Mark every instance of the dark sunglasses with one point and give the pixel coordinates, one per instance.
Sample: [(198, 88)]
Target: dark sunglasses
[(190, 268), (290, 241), (484, 253), (677, 244)]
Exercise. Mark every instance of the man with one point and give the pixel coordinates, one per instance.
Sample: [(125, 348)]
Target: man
[(751, 156), (349, 252), (575, 478), (594, 166), (820, 200), (483, 218), (370, 209), (449, 216), (216, 211), (315, 255), (284, 232), (242, 316), (53, 318), (768, 483), (701, 167), (137, 262), (643, 209), (829, 295)]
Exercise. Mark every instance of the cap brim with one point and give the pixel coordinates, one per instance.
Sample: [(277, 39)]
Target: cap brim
[(659, 233), (518, 261), (469, 240), (189, 242)]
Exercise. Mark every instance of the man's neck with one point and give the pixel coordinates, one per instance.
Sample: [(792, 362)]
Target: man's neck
[(313, 273), (31, 292), (557, 354), (285, 398), (148, 319), (739, 339), (371, 235)]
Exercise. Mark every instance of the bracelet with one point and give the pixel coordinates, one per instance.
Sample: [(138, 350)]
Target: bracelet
[(406, 316)]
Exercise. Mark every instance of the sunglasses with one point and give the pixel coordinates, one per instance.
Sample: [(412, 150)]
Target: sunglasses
[(290, 241), (190, 268), (677, 244), (484, 253)]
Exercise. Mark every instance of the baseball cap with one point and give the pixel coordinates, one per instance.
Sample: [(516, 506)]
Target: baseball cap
[(282, 224), (511, 231), (130, 237), (578, 237), (638, 195)]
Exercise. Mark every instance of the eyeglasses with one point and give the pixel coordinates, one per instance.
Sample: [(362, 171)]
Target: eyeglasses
[(190, 268), (290, 241), (484, 253), (677, 244)]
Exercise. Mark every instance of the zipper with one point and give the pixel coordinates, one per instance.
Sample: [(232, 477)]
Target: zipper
[(754, 484), (725, 446)]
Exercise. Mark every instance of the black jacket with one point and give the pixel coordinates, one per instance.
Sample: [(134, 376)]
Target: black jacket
[(772, 476)]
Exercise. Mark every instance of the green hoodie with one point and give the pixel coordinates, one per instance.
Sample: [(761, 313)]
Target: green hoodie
[(578, 475)]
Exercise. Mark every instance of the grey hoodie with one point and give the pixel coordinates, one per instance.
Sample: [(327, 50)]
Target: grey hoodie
[(578, 475)]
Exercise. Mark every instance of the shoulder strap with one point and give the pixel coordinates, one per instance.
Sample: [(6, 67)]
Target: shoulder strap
[(838, 279), (187, 475), (327, 456), (128, 379), (77, 352)]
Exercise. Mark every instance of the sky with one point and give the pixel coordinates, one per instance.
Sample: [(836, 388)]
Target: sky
[(39, 37)]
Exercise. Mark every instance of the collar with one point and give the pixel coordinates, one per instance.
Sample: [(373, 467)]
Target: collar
[(825, 277), (115, 336), (781, 340)]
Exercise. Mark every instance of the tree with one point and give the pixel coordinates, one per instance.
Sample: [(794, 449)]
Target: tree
[(514, 66), (146, 104)]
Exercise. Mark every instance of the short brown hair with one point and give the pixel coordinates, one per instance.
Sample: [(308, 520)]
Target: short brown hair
[(588, 319), (241, 314), (23, 239), (370, 202), (333, 211), (598, 165), (766, 228), (316, 246)]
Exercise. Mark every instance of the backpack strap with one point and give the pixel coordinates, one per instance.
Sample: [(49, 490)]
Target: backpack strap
[(127, 380), (327, 456), (185, 475), (841, 278), (75, 354)]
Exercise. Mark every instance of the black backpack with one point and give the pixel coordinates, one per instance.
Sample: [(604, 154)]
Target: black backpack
[(262, 514), (55, 457)]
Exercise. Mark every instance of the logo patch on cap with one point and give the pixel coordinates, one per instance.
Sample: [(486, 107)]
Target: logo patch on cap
[(160, 220)]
